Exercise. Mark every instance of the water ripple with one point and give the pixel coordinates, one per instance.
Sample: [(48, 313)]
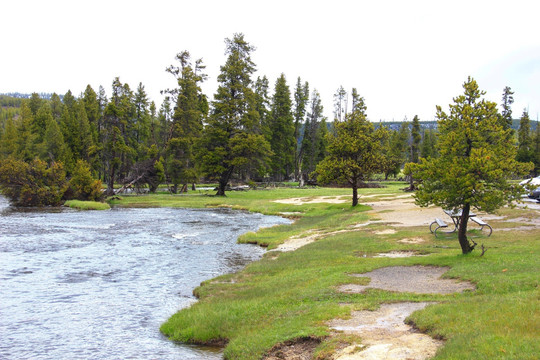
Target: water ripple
[(98, 285)]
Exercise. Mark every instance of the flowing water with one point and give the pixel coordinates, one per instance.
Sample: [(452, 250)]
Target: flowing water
[(98, 284)]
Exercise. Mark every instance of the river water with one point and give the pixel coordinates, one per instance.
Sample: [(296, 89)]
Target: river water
[(98, 284)]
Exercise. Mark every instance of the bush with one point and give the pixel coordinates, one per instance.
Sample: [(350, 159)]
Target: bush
[(34, 183), (82, 185)]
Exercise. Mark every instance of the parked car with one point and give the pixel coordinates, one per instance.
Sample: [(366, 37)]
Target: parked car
[(533, 185), (535, 194)]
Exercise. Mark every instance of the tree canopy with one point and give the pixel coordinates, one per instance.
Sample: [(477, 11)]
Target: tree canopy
[(354, 153), (475, 161)]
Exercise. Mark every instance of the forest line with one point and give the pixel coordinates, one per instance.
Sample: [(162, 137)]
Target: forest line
[(246, 132)]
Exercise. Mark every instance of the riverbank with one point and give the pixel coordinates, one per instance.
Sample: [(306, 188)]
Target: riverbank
[(291, 297)]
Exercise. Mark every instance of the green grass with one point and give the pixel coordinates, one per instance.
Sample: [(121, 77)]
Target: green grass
[(87, 205), (292, 295)]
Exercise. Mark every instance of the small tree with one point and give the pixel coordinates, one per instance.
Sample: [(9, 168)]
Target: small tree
[(474, 164), (354, 153), (82, 184)]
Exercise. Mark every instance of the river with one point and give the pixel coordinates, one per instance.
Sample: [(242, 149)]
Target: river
[(98, 284)]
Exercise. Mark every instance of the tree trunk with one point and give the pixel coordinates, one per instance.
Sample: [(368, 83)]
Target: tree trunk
[(223, 181), (354, 194), (110, 183), (462, 231)]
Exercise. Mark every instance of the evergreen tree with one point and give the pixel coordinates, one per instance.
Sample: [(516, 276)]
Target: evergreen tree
[(231, 140), (93, 111), (114, 145), (475, 161), (416, 138), (85, 140), (358, 102), (507, 101), (428, 147), (354, 153), (301, 99), (53, 147), (187, 121), (525, 148), (309, 145), (536, 150), (56, 106), (41, 119), (340, 104), (26, 140), (281, 128), (34, 103), (8, 141), (141, 126), (262, 101)]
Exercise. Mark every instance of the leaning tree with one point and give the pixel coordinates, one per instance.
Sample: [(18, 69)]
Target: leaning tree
[(475, 163)]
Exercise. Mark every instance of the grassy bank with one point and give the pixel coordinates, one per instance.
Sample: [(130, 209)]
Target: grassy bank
[(291, 295), (87, 205)]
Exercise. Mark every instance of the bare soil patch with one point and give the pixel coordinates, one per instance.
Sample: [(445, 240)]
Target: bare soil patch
[(385, 334), (313, 200), (416, 279), (416, 240), (299, 349)]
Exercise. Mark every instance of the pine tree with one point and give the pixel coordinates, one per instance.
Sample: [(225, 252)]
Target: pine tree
[(340, 104), (8, 141), (301, 99), (187, 121), (525, 153), (416, 138), (114, 145), (141, 126), (53, 147), (358, 102), (536, 149), (92, 108), (41, 119), (26, 140), (281, 128), (475, 161), (262, 105), (507, 101), (309, 148), (231, 140), (354, 153)]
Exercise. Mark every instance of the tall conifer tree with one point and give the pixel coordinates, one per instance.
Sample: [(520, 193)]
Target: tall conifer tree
[(231, 140)]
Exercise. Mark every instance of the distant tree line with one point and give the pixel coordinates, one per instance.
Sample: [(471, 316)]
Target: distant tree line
[(246, 132)]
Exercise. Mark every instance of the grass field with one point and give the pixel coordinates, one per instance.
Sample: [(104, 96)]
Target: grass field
[(87, 205), (290, 295)]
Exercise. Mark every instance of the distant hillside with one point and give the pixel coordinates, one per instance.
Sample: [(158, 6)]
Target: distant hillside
[(395, 125), (17, 95)]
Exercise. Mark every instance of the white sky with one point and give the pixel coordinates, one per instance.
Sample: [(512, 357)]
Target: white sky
[(404, 57)]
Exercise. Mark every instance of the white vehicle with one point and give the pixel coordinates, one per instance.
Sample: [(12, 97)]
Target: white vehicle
[(531, 183), (533, 186)]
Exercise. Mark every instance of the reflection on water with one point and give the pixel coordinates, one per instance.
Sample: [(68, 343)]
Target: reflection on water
[(98, 284)]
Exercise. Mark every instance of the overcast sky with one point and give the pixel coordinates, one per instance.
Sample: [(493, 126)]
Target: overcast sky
[(404, 57)]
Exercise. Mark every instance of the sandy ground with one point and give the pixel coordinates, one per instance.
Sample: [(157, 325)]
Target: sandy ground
[(314, 200), (385, 334)]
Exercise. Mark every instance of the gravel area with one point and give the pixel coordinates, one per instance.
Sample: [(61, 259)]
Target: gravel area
[(416, 279)]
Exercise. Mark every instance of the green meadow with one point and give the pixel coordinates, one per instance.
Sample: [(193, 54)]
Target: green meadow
[(291, 295)]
